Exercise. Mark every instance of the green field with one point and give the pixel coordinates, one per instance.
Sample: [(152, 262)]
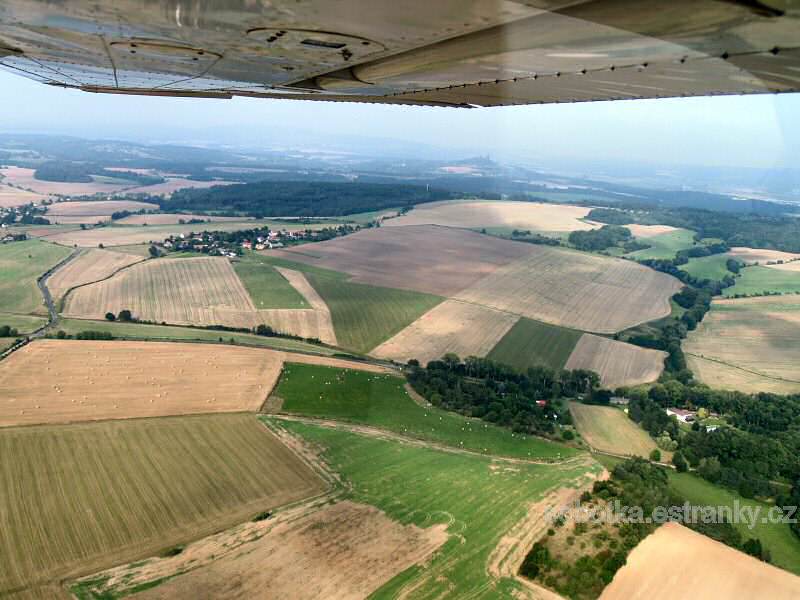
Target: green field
[(758, 280), (712, 267), (665, 245), (778, 538), (478, 499), (79, 498), (609, 429), (267, 287), (21, 263), (22, 323), (382, 401), (141, 331), (531, 343)]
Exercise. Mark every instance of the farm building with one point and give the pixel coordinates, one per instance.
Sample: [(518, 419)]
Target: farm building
[(685, 416)]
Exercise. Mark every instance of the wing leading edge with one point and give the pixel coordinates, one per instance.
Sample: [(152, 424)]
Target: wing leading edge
[(443, 53)]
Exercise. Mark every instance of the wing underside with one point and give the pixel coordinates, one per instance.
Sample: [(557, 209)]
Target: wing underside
[(441, 53)]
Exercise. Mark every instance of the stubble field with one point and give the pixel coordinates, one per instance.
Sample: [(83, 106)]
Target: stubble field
[(10, 196), (452, 326), (96, 208), (726, 574), (172, 219), (617, 363), (749, 344), (81, 498), (92, 265), (518, 215), (59, 381)]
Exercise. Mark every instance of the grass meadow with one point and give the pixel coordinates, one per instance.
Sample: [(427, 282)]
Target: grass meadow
[(267, 288), (21, 263), (712, 267), (665, 245), (476, 497), (609, 429), (531, 343), (382, 401), (759, 280)]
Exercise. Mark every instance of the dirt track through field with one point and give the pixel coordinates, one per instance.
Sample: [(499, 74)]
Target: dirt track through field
[(452, 326), (576, 290), (617, 363), (676, 562), (320, 322)]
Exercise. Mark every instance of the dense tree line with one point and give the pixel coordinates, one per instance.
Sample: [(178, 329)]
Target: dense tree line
[(78, 172), (494, 392), (8, 331), (591, 558), (300, 198), (595, 240)]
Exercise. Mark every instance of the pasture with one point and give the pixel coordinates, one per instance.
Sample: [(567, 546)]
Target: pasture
[(610, 430), (489, 213), (59, 381), (21, 263), (452, 326), (343, 550), (22, 323), (748, 344), (664, 245), (91, 265), (617, 363), (783, 545), (381, 400), (265, 285), (759, 280), (576, 290), (80, 498), (531, 343), (712, 267), (426, 258), (478, 498), (725, 573), (96, 208)]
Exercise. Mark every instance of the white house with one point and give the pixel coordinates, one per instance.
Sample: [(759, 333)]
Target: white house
[(685, 416)]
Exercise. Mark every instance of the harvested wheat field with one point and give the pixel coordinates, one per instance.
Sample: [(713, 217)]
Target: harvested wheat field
[(343, 551), (24, 178), (648, 231), (617, 363), (576, 290), (172, 219), (196, 291), (676, 562), (426, 258), (90, 265), (60, 381), (759, 255), (10, 196), (452, 326), (519, 215), (758, 337), (610, 430), (85, 497), (787, 266), (189, 291), (96, 208), (133, 234)]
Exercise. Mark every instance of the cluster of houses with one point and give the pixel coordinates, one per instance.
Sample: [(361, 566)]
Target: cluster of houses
[(689, 416), (272, 240), (199, 242)]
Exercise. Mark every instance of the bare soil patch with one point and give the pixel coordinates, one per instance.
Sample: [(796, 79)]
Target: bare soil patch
[(342, 551), (576, 290), (436, 260), (96, 208), (92, 265), (520, 215), (647, 231), (452, 326), (57, 381), (676, 562), (617, 363)]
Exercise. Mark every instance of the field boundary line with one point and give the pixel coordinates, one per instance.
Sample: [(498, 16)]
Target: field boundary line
[(740, 368), (63, 299)]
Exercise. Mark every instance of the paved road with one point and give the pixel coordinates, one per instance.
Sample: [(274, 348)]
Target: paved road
[(48, 298)]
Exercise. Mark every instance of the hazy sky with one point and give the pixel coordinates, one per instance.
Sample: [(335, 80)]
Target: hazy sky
[(737, 131)]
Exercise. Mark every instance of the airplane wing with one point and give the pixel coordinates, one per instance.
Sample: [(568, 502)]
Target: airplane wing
[(434, 52)]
